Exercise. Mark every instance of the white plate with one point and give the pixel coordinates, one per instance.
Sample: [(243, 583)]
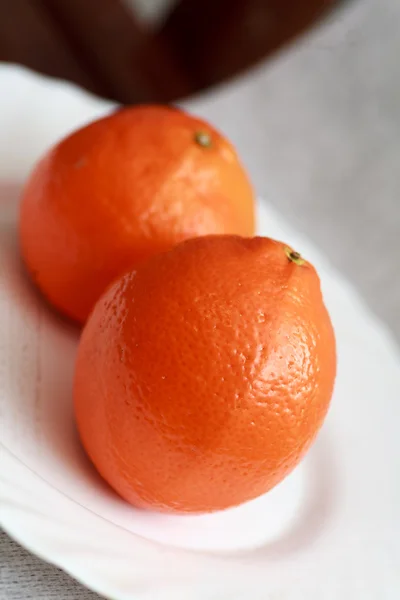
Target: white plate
[(330, 531)]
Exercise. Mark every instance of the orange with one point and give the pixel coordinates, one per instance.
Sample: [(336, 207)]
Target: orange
[(203, 377), (121, 190)]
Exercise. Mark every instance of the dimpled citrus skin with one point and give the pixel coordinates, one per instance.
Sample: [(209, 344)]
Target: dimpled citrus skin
[(122, 189), (203, 378)]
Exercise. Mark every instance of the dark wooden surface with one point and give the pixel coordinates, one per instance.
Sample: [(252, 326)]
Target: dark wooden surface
[(130, 61), (218, 38), (103, 47), (27, 36)]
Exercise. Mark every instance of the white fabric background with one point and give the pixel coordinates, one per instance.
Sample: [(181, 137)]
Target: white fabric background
[(319, 130)]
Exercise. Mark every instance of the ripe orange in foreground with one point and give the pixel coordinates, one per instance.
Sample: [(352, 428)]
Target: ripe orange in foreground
[(122, 189), (203, 377)]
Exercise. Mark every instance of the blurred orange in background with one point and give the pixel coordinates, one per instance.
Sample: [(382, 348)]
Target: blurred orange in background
[(122, 189)]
